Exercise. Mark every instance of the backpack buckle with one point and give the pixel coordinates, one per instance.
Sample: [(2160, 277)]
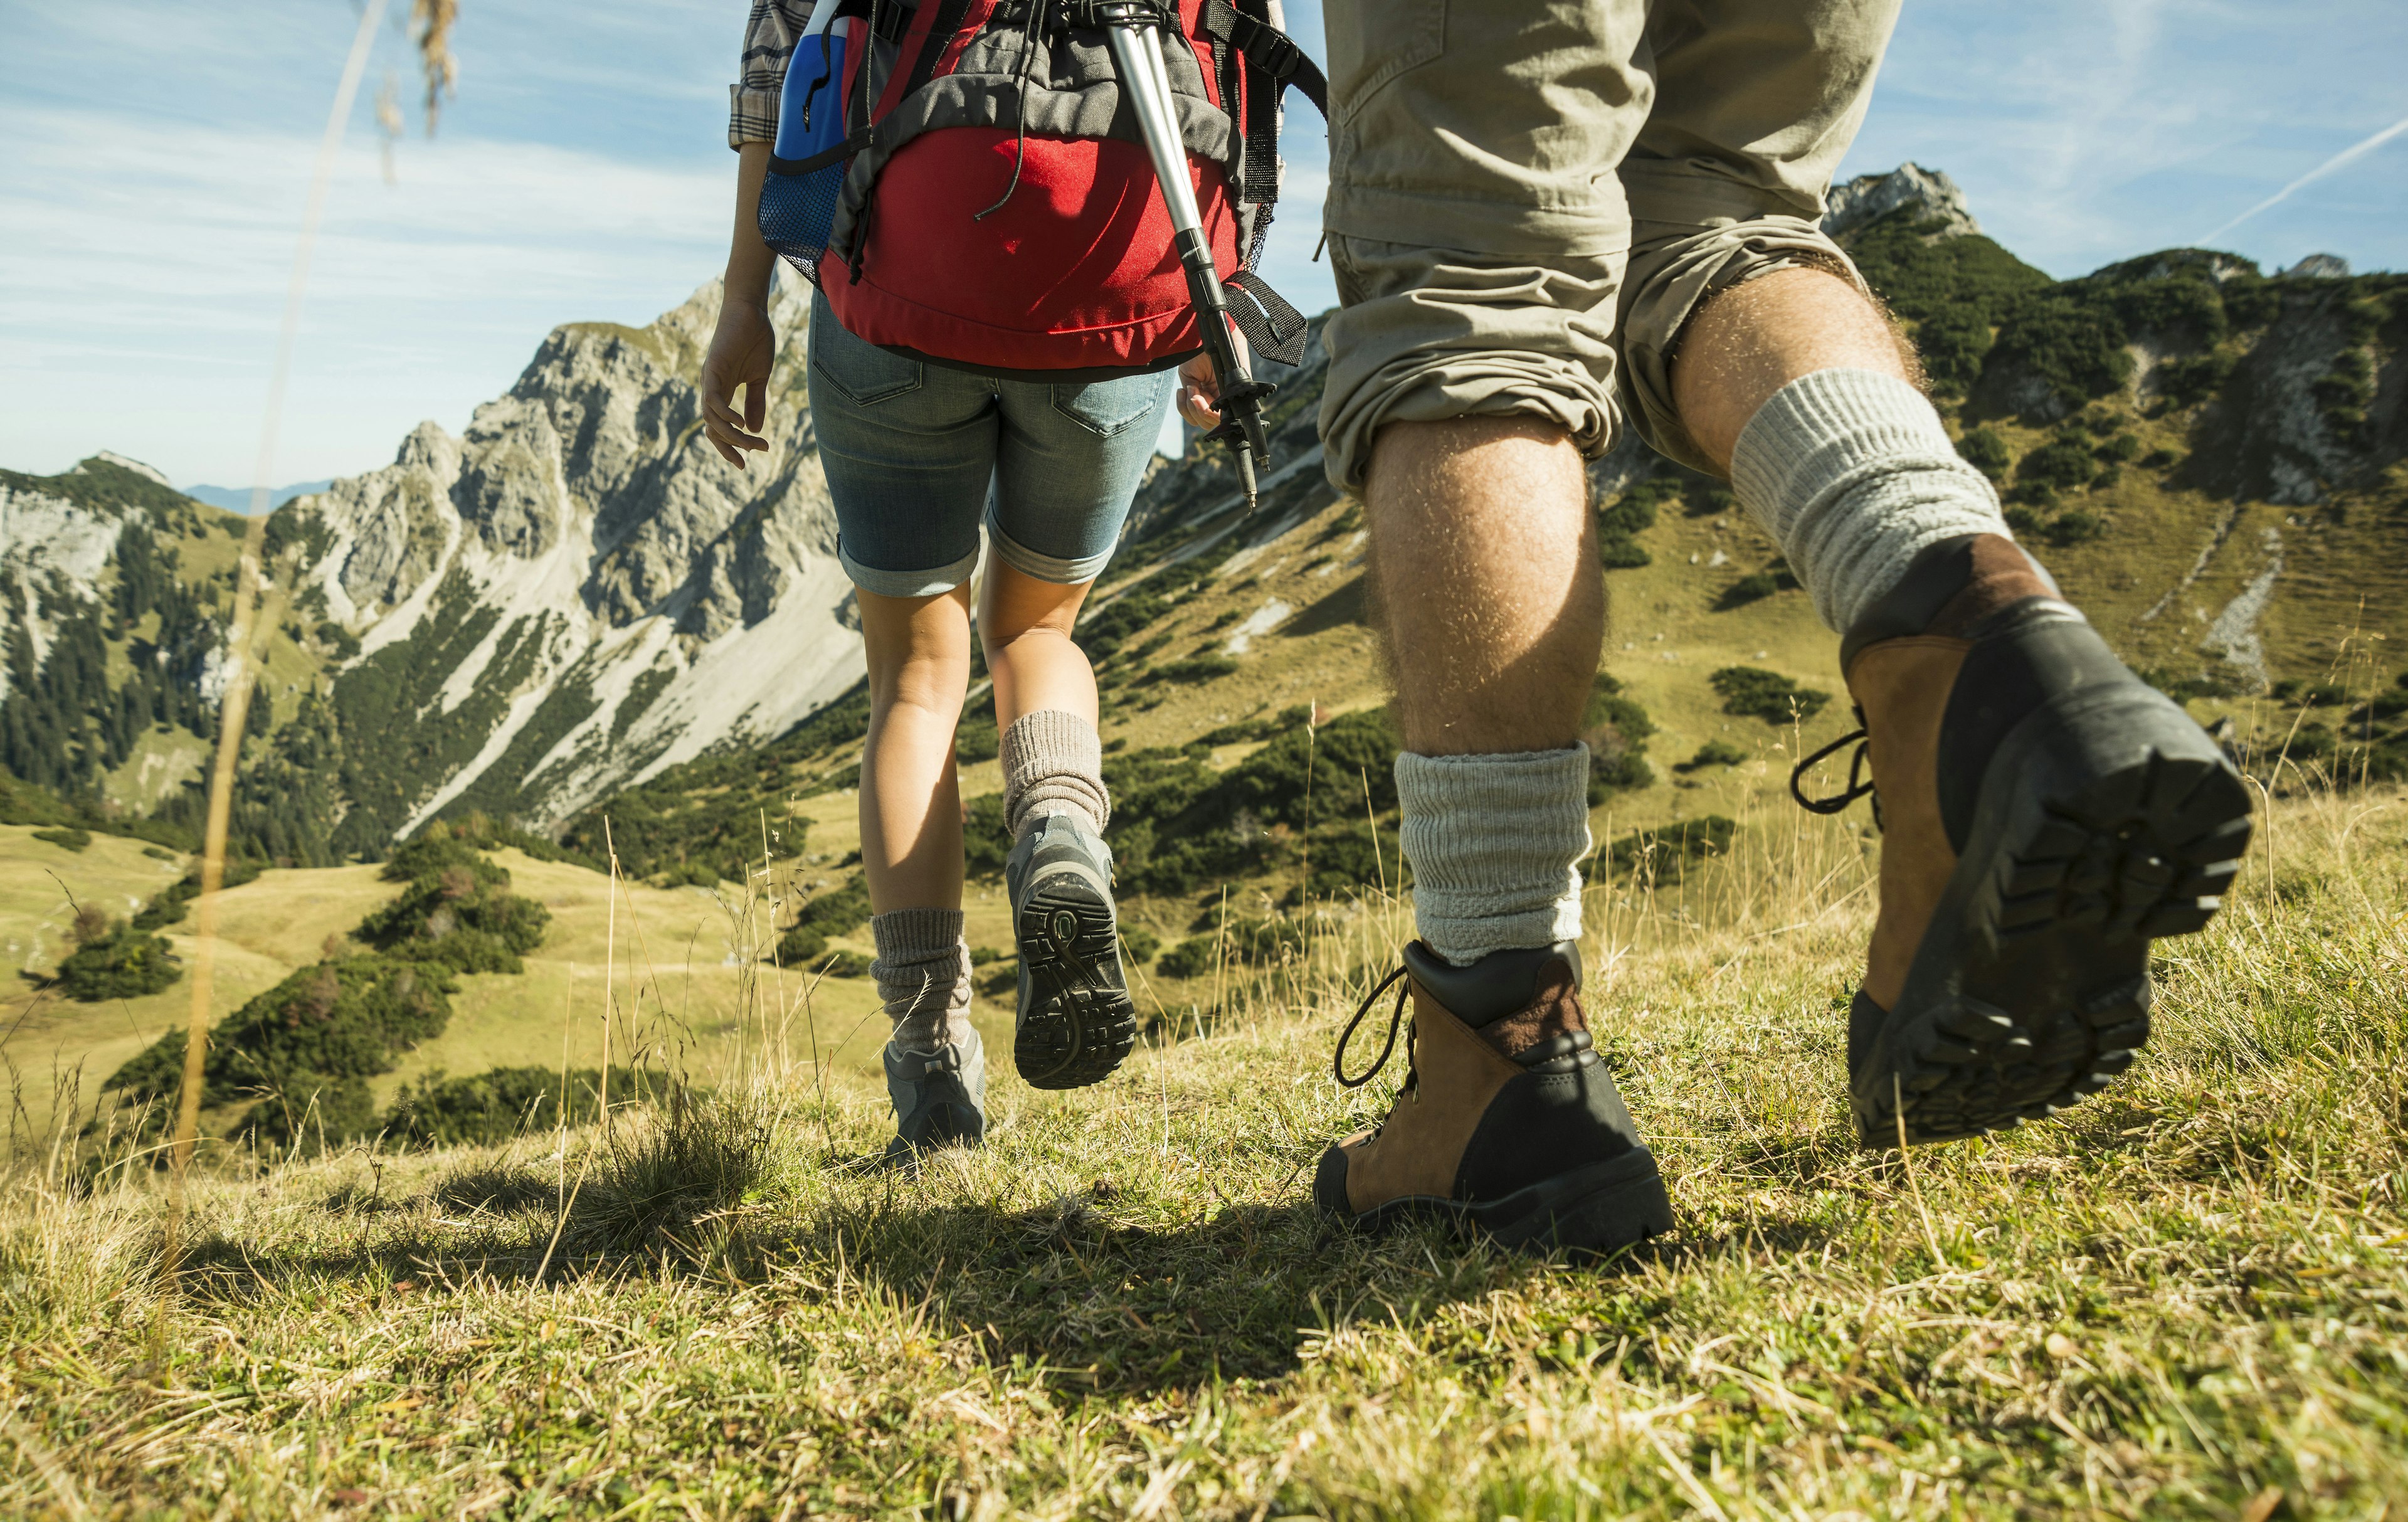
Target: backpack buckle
[(1269, 49)]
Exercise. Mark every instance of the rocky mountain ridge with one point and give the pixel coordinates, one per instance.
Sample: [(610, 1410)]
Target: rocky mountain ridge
[(571, 594)]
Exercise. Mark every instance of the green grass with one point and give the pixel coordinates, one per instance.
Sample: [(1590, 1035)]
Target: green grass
[(2175, 1299)]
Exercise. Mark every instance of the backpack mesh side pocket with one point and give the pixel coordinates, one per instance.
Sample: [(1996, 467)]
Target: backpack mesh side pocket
[(798, 211)]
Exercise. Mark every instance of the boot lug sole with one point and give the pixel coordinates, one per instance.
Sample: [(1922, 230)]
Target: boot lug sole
[(1593, 1211), (2108, 819), (1077, 1022)]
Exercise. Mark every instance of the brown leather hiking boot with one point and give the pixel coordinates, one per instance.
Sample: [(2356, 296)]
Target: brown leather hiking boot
[(1508, 1121), (2045, 814)]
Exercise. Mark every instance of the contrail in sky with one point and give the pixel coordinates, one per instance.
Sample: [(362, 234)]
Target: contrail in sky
[(2346, 156)]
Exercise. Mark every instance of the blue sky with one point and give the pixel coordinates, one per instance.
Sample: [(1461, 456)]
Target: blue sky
[(159, 154)]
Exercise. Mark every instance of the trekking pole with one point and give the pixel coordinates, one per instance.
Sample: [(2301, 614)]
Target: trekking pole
[(1132, 30)]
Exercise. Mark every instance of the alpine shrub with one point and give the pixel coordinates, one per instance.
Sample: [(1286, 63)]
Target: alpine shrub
[(1754, 587), (1665, 852), (840, 910), (1751, 692), (499, 1104), (1713, 753), (349, 1019), (458, 911), (1985, 451), (2064, 462), (119, 961), (1615, 729)]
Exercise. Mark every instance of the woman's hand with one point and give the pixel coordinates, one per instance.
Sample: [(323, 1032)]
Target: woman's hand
[(742, 350), (1199, 391)]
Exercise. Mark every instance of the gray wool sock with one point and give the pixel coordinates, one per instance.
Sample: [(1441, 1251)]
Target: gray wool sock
[(1495, 843), (1851, 473), (924, 975), (1052, 764)]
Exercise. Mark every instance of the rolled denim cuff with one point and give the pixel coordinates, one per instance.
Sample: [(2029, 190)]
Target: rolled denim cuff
[(905, 583), (1036, 565)]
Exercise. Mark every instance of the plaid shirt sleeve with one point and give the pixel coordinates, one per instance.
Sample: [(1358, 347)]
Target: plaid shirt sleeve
[(770, 39)]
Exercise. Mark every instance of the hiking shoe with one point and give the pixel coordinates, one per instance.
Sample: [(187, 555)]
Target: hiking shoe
[(1509, 1121), (2045, 813), (1076, 1019), (940, 1096)]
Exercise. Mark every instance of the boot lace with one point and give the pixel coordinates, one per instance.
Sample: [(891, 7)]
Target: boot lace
[(1859, 785), (1396, 1018)]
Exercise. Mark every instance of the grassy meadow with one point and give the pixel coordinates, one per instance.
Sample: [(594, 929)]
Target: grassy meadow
[(2184, 1299)]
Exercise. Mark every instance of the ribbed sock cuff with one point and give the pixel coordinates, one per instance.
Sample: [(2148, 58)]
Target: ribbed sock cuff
[(1852, 474), (1053, 763), (924, 975), (1495, 843)]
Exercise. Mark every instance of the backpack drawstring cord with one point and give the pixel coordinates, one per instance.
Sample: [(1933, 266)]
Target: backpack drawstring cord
[(1029, 33)]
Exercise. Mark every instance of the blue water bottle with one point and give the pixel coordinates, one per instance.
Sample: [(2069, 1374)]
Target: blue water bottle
[(798, 211)]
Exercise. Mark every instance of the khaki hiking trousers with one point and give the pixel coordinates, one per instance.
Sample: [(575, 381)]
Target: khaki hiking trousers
[(1523, 192)]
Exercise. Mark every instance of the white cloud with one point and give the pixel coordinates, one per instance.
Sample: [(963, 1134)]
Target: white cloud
[(165, 273)]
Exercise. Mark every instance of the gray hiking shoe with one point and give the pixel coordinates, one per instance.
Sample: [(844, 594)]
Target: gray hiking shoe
[(940, 1096), (1076, 1019)]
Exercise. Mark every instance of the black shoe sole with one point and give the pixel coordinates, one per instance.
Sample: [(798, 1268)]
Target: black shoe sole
[(1592, 1211), (1077, 1021), (2107, 819)]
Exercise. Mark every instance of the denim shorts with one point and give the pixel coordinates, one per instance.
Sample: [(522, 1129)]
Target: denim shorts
[(916, 454)]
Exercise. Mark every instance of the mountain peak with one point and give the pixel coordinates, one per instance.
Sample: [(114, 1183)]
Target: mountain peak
[(1868, 197), (123, 463), (2319, 267)]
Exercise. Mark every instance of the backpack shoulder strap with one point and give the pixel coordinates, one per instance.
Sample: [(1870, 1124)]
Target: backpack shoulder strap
[(1276, 56), (944, 24)]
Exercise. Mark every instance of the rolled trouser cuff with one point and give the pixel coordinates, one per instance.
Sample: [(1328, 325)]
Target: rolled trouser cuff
[(1496, 843), (1674, 269), (1428, 334)]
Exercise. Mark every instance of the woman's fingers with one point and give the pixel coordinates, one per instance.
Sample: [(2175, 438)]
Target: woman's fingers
[(1197, 391), (742, 351), (1195, 407), (727, 431)]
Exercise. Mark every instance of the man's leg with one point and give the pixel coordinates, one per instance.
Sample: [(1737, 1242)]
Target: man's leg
[(2044, 812), (1854, 475), (1477, 249), (1485, 566)]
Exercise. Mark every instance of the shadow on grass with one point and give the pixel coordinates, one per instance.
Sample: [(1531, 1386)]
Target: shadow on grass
[(1072, 1290)]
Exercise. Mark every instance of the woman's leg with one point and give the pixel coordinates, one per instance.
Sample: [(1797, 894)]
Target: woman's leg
[(1024, 624), (919, 651)]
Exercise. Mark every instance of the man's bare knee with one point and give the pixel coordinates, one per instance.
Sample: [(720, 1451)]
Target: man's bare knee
[(1486, 581)]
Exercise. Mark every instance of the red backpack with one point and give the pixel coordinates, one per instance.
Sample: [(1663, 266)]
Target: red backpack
[(991, 204)]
